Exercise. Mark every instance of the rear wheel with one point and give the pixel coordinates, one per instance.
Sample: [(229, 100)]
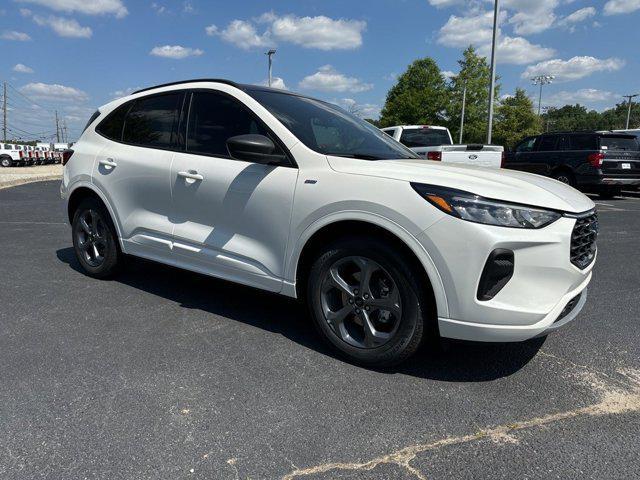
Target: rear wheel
[(565, 177), (6, 162), (610, 192), (366, 303), (95, 240)]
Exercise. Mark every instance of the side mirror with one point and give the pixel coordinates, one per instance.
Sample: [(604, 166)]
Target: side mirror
[(254, 148)]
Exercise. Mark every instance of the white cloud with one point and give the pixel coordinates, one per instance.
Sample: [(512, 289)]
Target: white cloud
[(448, 74), (53, 92), (15, 36), (64, 27), (241, 34), (617, 7), (469, 30), (175, 52), (327, 79), (159, 9), (445, 3), (20, 68), (518, 51), (584, 96), (319, 32), (578, 16), (276, 82), (531, 16), (123, 92), (574, 68), (87, 7)]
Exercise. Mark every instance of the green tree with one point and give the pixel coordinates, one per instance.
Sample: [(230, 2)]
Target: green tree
[(475, 74), (570, 118), (515, 119), (616, 118), (418, 97)]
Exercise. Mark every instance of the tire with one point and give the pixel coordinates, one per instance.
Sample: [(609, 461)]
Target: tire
[(609, 193), (398, 331), (6, 162), (564, 177), (93, 231)]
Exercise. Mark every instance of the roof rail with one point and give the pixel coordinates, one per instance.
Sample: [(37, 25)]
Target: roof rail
[(217, 80)]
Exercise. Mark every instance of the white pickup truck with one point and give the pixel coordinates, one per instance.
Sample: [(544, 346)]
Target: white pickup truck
[(435, 143)]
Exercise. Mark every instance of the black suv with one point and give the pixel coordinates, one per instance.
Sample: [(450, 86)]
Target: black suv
[(601, 162)]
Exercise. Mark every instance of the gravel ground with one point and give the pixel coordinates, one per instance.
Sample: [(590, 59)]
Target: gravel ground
[(164, 374), (18, 175)]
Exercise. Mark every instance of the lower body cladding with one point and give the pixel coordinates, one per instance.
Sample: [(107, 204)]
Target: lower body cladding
[(539, 291)]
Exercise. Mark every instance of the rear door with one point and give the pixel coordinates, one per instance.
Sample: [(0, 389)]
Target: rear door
[(133, 170), (231, 217), (621, 155)]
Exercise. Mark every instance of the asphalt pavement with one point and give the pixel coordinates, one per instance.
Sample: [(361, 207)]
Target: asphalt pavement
[(164, 374)]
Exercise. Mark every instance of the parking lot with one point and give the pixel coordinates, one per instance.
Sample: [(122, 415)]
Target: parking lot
[(161, 373)]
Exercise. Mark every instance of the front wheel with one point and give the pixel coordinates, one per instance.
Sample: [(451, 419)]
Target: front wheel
[(366, 303), (95, 240)]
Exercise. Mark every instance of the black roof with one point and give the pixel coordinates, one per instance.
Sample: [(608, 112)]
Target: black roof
[(241, 86)]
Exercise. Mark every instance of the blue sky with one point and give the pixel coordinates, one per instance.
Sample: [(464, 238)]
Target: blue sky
[(75, 55)]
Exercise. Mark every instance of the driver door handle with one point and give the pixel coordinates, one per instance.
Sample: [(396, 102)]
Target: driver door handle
[(191, 175), (108, 163)]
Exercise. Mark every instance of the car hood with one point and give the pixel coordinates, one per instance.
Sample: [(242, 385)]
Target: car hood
[(498, 184)]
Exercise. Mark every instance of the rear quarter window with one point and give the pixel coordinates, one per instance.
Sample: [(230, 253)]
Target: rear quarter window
[(111, 127), (584, 142)]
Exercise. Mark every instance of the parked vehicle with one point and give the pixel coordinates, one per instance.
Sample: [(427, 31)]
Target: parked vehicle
[(293, 195), (9, 155), (601, 162), (435, 143)]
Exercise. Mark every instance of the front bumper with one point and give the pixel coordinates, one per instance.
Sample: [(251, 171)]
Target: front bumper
[(544, 280)]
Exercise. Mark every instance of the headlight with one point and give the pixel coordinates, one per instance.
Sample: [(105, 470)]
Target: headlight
[(474, 208)]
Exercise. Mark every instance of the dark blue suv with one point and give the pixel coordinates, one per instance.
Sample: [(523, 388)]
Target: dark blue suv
[(599, 162)]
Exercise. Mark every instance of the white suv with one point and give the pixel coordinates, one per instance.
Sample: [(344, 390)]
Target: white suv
[(294, 195)]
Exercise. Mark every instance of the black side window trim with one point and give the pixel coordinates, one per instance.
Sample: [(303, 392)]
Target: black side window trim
[(272, 135), (174, 148)]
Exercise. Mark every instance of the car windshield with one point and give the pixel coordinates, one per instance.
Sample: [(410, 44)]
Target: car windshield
[(329, 129), (618, 142), (424, 137)]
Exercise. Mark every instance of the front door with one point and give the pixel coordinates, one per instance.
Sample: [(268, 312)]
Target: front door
[(231, 218)]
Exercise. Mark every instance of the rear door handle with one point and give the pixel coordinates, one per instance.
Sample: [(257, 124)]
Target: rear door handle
[(191, 175), (108, 163)]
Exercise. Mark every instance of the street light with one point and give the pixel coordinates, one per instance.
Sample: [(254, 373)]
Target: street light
[(464, 101), (542, 80), (630, 97), (270, 54), (496, 9)]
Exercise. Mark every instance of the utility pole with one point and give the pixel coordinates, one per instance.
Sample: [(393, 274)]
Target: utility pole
[(65, 137), (57, 128), (464, 101), (630, 97), (542, 80), (4, 112), (270, 54), (496, 11)]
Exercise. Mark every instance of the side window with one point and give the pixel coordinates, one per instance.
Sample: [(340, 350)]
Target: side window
[(390, 132), (547, 143), (584, 142), (214, 118), (526, 145), (153, 121), (564, 143), (111, 127)]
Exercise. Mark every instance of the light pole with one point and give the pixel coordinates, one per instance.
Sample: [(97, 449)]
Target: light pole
[(630, 97), (270, 54), (496, 10), (464, 101), (542, 80)]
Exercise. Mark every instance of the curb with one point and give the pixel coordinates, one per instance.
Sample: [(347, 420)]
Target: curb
[(22, 181)]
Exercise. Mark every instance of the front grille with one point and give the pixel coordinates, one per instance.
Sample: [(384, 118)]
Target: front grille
[(583, 240)]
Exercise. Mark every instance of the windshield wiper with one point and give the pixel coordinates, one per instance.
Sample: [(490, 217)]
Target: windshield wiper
[(362, 156)]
